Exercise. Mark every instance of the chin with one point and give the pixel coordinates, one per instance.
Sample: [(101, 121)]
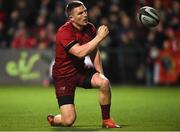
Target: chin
[(85, 23)]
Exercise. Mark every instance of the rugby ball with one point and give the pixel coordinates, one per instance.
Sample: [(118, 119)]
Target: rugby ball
[(148, 16)]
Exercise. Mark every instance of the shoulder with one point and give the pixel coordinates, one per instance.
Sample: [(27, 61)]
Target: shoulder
[(66, 27)]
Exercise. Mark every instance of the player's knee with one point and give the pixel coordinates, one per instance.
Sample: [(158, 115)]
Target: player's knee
[(69, 120), (105, 85)]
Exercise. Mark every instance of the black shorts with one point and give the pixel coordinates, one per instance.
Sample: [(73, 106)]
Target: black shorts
[(65, 86)]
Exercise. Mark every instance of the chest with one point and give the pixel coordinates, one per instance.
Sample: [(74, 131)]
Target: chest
[(84, 37)]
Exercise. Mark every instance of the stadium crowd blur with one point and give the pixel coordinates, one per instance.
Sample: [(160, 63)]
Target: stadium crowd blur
[(132, 52)]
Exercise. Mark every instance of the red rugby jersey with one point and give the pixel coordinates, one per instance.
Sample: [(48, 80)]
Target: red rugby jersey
[(67, 35)]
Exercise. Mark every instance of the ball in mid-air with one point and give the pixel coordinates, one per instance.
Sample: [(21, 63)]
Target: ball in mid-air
[(148, 16)]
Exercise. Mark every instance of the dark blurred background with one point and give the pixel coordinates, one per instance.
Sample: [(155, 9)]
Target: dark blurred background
[(132, 54)]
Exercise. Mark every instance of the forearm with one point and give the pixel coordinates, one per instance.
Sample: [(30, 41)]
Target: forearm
[(87, 48), (98, 63), (96, 59)]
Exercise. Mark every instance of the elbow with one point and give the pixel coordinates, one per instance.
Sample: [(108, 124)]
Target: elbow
[(81, 55), (79, 51)]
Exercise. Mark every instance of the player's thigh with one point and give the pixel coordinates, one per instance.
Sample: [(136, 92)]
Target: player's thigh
[(98, 80), (68, 113), (84, 78), (65, 90)]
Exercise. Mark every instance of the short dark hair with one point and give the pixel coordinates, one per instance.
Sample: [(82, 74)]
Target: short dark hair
[(70, 6)]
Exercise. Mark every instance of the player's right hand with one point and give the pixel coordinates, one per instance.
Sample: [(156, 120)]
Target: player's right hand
[(102, 32)]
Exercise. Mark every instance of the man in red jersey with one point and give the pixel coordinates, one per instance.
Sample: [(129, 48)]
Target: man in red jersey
[(75, 40)]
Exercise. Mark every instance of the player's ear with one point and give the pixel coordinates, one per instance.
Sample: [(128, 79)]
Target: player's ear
[(71, 18)]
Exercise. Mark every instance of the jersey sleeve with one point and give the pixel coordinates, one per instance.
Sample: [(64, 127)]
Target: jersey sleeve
[(67, 38)]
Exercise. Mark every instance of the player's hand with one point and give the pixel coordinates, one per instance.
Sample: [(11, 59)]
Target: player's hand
[(102, 32)]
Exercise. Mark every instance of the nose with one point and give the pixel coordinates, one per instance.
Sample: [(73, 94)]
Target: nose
[(85, 13)]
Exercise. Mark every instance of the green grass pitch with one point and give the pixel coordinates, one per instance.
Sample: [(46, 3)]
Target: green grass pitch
[(133, 107)]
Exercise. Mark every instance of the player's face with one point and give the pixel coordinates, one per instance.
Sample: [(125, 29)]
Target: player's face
[(79, 16)]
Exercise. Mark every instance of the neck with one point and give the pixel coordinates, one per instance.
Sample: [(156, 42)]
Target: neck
[(77, 26)]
